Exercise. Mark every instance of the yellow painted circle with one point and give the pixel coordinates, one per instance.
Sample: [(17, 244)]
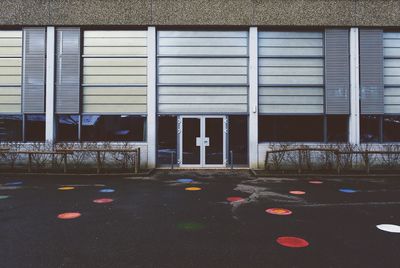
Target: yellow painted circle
[(65, 188), (193, 189)]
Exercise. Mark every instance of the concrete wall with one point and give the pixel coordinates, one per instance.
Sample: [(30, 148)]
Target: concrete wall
[(201, 12)]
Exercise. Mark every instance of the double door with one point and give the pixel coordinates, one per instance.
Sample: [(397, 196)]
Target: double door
[(202, 141)]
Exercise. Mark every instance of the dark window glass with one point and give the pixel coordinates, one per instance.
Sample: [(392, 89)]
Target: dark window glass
[(10, 127), (370, 128), (67, 127), (113, 128), (308, 128), (391, 128), (238, 138), (35, 127), (337, 128), (167, 139)]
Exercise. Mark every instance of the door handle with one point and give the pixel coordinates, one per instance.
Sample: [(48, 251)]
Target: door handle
[(206, 141)]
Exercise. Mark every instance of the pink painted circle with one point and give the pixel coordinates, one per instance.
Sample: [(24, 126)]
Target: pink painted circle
[(279, 211), (315, 182), (235, 199), (103, 200), (297, 192), (292, 242), (69, 215)]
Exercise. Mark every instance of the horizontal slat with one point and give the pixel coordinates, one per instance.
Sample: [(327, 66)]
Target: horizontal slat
[(392, 109), (120, 51), (290, 52), (392, 91), (202, 42), (115, 42), (204, 51), (114, 34), (108, 100), (11, 99), (209, 91), (11, 42), (291, 71), (202, 108), (203, 34), (116, 109), (226, 70), (202, 79), (392, 80), (110, 62), (11, 34), (392, 100), (285, 62), (202, 61), (114, 91), (10, 108), (10, 51), (291, 80), (111, 80), (10, 91), (107, 70), (291, 91), (287, 42), (291, 109), (298, 100), (10, 80), (182, 99), (291, 34), (10, 71), (10, 62)]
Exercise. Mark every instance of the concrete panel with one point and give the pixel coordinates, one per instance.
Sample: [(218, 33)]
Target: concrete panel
[(100, 12), (24, 12), (378, 13), (202, 12), (304, 13)]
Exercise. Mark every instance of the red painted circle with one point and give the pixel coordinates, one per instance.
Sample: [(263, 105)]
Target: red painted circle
[(292, 242), (69, 215), (235, 199), (279, 211), (297, 192), (315, 182), (103, 200)]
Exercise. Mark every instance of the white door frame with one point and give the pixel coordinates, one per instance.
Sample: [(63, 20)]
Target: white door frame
[(202, 137)]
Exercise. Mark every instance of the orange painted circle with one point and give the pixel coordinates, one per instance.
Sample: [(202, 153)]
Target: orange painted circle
[(279, 211), (193, 189), (66, 188), (103, 200), (69, 215), (297, 192)]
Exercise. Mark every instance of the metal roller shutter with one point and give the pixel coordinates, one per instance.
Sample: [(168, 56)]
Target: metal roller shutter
[(391, 44), (202, 72), (34, 70), (291, 72)]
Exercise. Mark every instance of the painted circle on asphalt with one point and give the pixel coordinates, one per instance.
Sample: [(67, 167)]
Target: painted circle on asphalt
[(103, 200), (292, 242), (347, 190), (4, 197), (185, 180), (297, 192), (279, 211), (107, 191), (13, 183), (69, 215), (235, 199), (315, 182), (193, 189), (391, 228), (66, 188)]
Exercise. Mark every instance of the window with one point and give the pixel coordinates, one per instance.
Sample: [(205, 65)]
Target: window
[(67, 128), (370, 128), (113, 128), (167, 139), (10, 127), (238, 137), (391, 128), (303, 128), (285, 128), (337, 128), (35, 127)]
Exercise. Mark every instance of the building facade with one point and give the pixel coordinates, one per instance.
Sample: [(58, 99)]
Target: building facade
[(200, 83)]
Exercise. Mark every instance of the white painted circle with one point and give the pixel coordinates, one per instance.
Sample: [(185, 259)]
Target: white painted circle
[(389, 228)]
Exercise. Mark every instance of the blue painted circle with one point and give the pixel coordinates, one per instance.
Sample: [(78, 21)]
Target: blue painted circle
[(348, 191), (13, 183), (107, 191), (185, 180)]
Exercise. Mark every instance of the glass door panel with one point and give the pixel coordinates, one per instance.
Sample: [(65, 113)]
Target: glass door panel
[(214, 141), (191, 141)]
